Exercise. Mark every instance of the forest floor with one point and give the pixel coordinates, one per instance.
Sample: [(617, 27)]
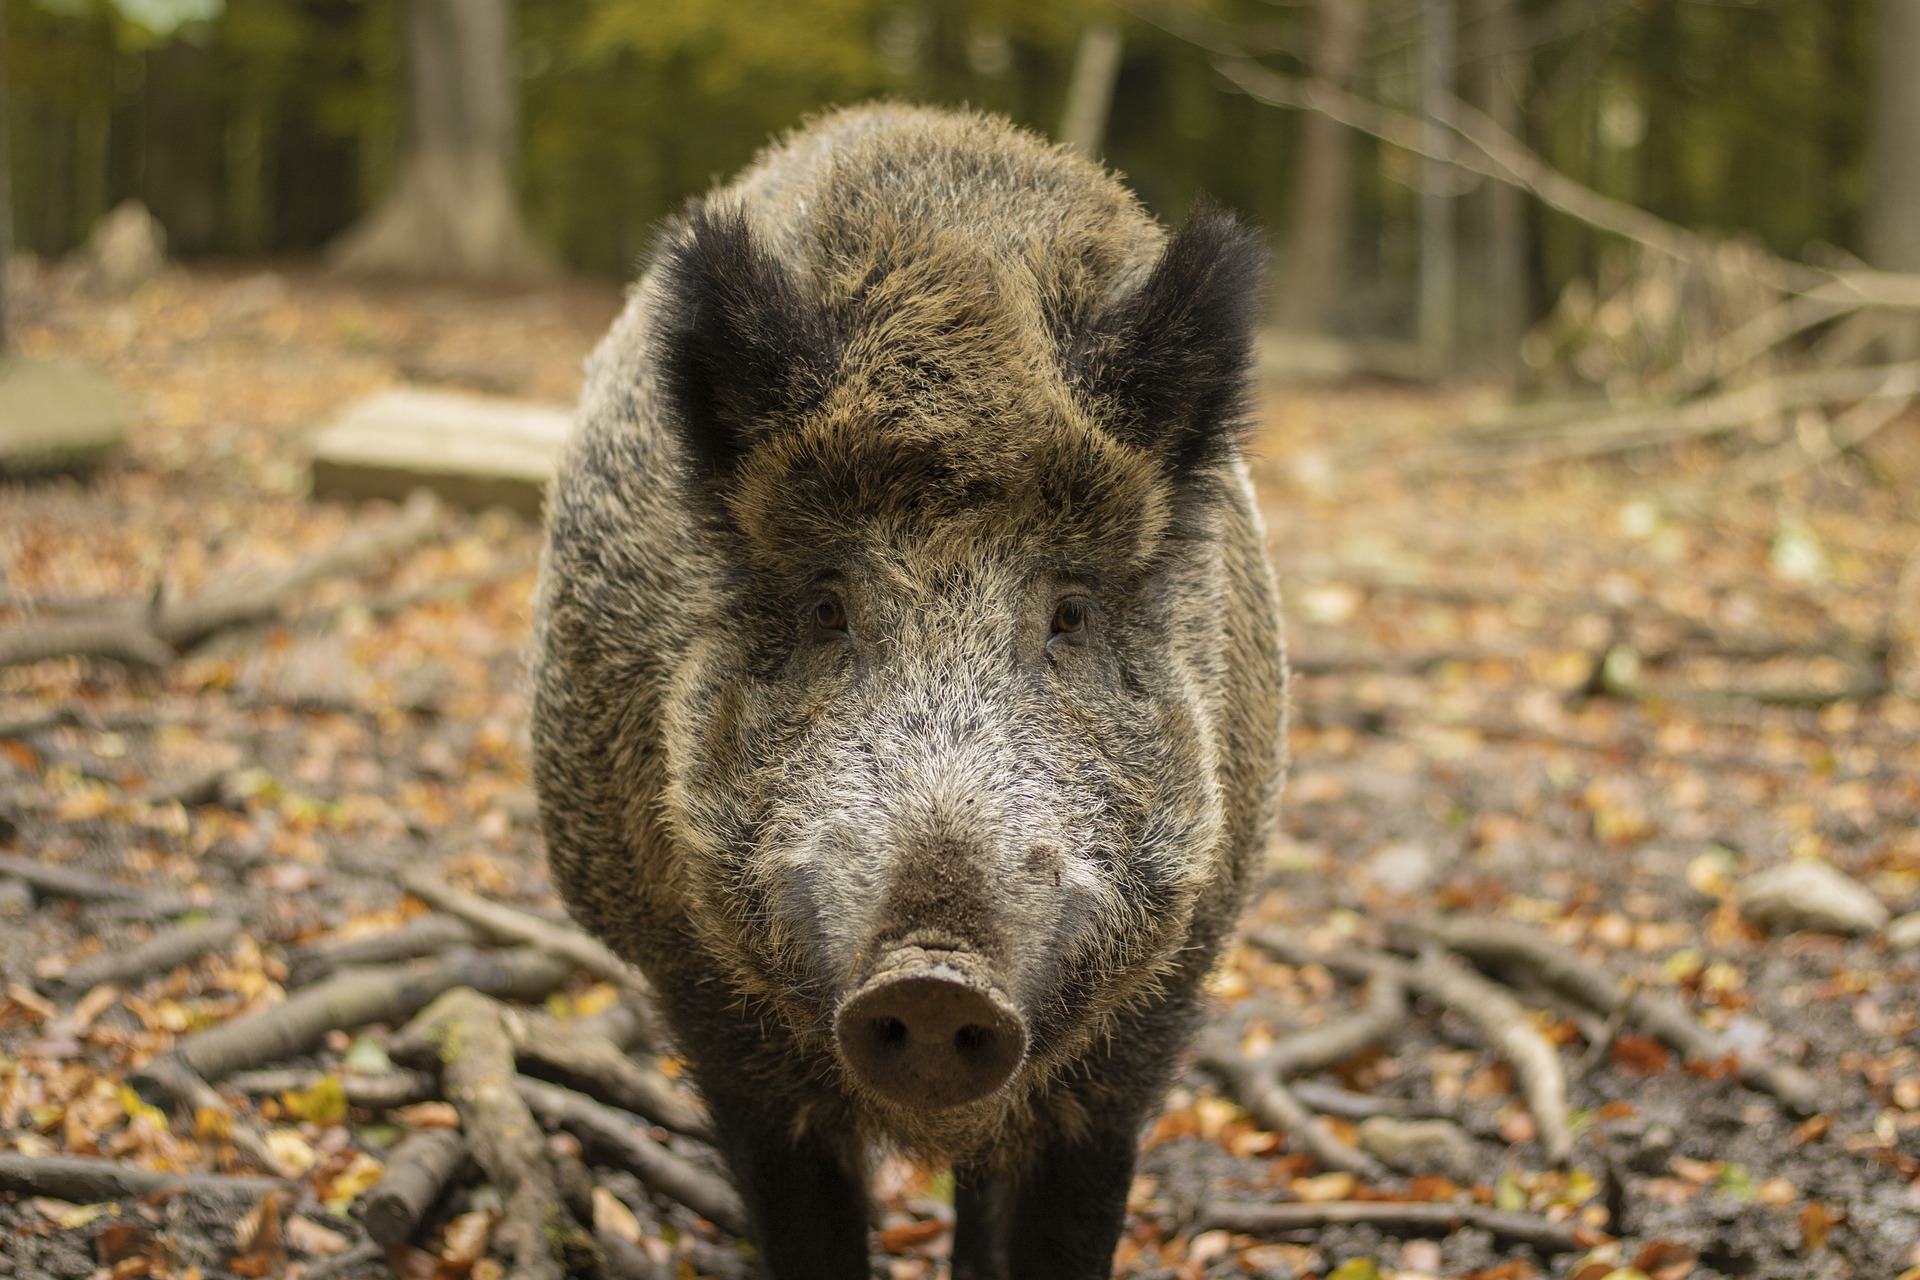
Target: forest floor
[(1592, 702)]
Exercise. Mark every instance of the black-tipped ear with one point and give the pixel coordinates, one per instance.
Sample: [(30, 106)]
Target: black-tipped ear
[(740, 347), (1169, 363)]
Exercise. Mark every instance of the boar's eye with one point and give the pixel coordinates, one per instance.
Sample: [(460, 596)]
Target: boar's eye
[(1070, 622), (829, 619)]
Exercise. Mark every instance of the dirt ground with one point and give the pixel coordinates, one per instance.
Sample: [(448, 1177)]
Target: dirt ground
[(1594, 699)]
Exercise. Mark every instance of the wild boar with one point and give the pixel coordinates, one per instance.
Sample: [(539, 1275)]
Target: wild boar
[(908, 689)]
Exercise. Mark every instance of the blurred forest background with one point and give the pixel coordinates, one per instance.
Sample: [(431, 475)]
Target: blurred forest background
[(269, 127)]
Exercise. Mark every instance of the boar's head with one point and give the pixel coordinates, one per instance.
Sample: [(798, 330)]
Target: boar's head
[(945, 757)]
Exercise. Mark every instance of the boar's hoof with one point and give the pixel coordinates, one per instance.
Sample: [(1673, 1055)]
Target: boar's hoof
[(927, 1037)]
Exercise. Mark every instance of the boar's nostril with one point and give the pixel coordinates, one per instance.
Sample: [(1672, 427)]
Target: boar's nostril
[(973, 1040), (926, 1037)]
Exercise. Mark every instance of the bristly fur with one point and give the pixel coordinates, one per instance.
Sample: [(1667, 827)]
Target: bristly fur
[(926, 367)]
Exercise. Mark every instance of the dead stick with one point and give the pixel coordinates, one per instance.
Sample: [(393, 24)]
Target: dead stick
[(365, 1254), (512, 925), (1505, 1025), (70, 882), (572, 1055), (122, 637), (1388, 1215), (422, 936), (1560, 967), (89, 1180), (184, 623), (383, 1092), (417, 1171), (152, 634), (625, 1139), (464, 1031), (1499, 1018), (168, 1082), (362, 996), (1339, 1040), (1270, 1102), (154, 958)]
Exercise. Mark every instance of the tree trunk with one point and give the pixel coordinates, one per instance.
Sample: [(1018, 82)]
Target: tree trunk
[(1497, 212), (1315, 276), (452, 209), (1438, 313), (6, 199), (1096, 66), (1893, 191)]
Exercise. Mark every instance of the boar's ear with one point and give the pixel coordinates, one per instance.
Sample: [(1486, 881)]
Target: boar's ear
[(740, 347), (1169, 362)]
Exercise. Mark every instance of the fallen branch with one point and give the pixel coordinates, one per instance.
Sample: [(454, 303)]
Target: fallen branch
[(1385, 1012), (1497, 1016), (1505, 1025), (624, 1140), (151, 633), (1332, 1100), (154, 958), (383, 1092), (511, 925), (169, 1083), (1267, 1098), (1444, 1218), (464, 1031), (68, 882), (1702, 418), (362, 996), (89, 1180), (1504, 942), (417, 1171), (1851, 430), (365, 1254), (421, 936), (575, 1056)]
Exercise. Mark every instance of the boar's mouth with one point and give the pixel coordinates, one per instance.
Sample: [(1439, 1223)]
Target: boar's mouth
[(928, 1031)]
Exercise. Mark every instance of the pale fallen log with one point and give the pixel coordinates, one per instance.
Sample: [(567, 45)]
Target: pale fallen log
[(90, 1180), (361, 996)]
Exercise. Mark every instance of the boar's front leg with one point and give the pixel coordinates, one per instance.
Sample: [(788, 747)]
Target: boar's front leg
[(1058, 1217), (804, 1191)]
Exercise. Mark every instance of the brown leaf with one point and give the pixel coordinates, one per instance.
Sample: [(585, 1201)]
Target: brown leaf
[(1666, 1260), (1817, 1222), (465, 1240), (1641, 1055), (1812, 1129), (1505, 1271), (911, 1235), (310, 1237)]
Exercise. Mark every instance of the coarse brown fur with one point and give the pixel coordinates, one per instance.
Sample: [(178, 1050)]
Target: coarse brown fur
[(921, 367)]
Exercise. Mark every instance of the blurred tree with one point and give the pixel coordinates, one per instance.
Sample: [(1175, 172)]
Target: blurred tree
[(6, 201), (1313, 277), (1090, 90), (1893, 190), (1494, 310), (452, 209)]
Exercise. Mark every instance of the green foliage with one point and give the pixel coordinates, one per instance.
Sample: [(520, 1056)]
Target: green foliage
[(263, 125)]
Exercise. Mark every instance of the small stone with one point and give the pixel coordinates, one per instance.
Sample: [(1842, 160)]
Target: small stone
[(1418, 1146), (473, 451), (126, 249), (1904, 933), (1403, 868), (1810, 895), (55, 416), (16, 899)]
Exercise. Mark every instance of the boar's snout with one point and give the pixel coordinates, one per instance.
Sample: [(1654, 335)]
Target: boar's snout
[(925, 1033)]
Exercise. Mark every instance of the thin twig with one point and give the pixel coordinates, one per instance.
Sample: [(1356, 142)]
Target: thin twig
[(1390, 1215)]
